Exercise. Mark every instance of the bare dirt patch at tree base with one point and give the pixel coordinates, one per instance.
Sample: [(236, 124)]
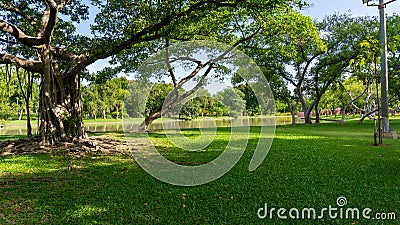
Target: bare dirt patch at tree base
[(91, 145)]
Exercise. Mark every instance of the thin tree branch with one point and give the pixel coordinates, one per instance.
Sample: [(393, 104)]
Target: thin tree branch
[(165, 21), (13, 8)]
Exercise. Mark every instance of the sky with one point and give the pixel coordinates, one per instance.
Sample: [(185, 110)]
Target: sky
[(321, 8), (318, 10)]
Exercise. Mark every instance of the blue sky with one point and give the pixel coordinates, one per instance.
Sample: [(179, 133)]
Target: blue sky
[(318, 10), (321, 8)]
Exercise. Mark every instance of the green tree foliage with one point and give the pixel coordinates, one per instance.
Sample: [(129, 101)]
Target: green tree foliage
[(8, 94), (157, 96), (252, 106), (287, 51), (40, 36), (100, 99), (233, 100), (190, 109), (393, 26), (12, 89), (309, 58)]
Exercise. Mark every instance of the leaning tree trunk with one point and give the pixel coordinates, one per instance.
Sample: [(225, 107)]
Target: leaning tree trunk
[(60, 103), (367, 115), (156, 114)]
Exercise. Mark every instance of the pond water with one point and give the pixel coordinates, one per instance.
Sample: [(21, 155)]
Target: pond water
[(169, 124)]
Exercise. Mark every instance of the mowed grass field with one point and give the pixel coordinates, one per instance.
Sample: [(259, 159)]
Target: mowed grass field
[(307, 166)]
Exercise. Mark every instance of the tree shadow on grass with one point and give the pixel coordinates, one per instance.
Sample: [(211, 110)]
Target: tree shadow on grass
[(61, 195), (114, 190), (298, 172)]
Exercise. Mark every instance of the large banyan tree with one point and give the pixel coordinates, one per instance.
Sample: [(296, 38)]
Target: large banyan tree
[(40, 36)]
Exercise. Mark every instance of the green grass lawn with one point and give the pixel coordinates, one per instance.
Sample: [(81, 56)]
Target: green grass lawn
[(307, 166)]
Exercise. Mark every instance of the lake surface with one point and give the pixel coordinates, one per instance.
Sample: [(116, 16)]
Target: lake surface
[(168, 124)]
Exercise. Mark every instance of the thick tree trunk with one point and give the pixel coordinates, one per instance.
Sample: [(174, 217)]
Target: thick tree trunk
[(293, 113), (60, 104), (307, 111), (307, 116), (316, 113)]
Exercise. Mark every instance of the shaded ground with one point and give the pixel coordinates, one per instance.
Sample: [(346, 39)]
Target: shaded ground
[(96, 144)]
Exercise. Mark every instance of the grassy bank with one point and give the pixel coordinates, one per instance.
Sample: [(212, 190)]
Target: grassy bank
[(307, 166)]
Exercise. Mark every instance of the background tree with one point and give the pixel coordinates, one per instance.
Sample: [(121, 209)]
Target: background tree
[(18, 94), (105, 97), (190, 109), (233, 101), (8, 93), (157, 96), (252, 106), (394, 61), (289, 50), (312, 57)]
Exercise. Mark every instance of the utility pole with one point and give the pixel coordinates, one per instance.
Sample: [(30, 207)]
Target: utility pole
[(384, 69), (384, 64)]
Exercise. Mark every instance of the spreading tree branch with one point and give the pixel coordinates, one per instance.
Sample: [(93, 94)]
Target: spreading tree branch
[(49, 20), (20, 35), (149, 33), (31, 65)]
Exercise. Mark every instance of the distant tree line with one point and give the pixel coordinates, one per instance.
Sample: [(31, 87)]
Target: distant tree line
[(106, 99)]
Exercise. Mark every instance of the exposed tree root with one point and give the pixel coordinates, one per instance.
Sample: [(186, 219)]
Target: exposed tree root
[(81, 147)]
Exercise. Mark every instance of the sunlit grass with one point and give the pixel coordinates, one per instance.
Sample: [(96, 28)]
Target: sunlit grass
[(307, 166)]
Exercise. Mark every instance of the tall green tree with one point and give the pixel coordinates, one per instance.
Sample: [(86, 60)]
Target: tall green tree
[(393, 26), (252, 105), (104, 97), (40, 36), (233, 100), (290, 50), (311, 57), (8, 93)]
